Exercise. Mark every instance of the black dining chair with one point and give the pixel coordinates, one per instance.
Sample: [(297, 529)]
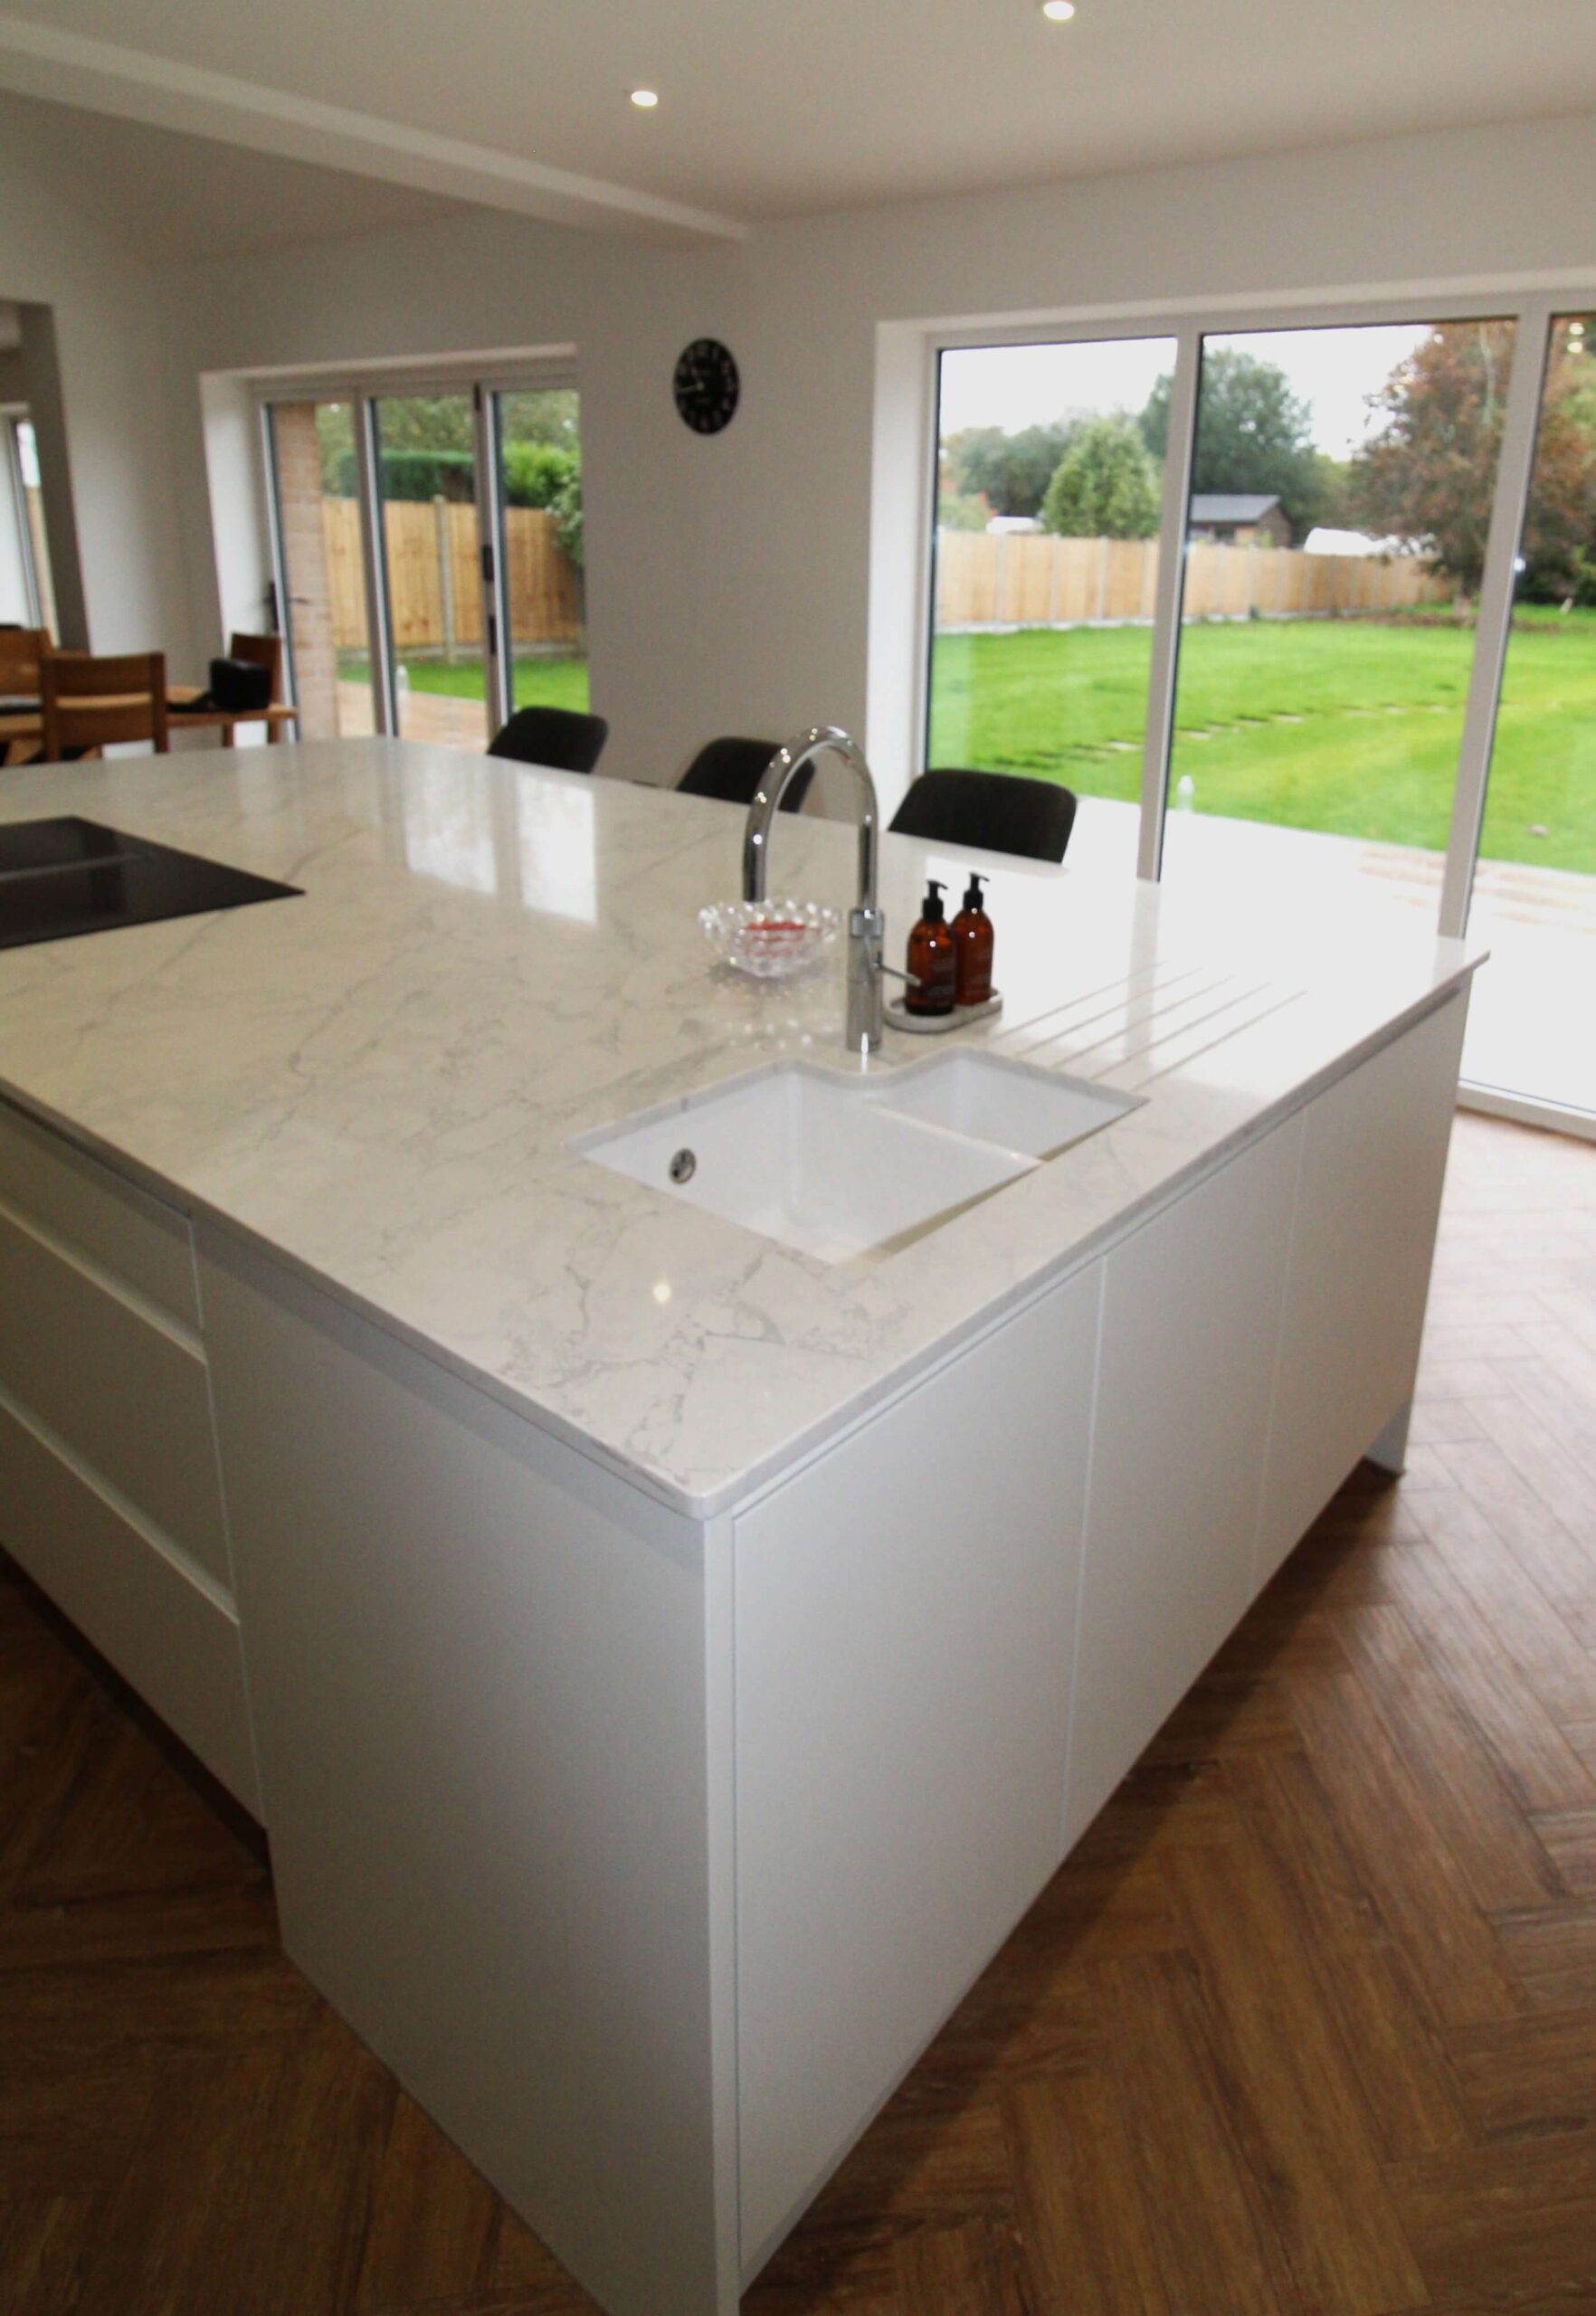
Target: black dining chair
[(731, 769), (990, 812), (556, 736)]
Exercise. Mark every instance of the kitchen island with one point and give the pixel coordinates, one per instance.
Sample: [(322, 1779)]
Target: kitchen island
[(667, 1663)]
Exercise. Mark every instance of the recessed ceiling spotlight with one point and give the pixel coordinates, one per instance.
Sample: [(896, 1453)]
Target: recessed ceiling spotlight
[(645, 100), (1057, 12)]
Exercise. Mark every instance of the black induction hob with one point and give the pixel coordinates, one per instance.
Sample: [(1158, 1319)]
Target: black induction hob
[(59, 878)]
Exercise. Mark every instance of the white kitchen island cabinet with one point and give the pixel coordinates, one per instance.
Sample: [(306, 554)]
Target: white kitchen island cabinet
[(674, 1661), (651, 1853)]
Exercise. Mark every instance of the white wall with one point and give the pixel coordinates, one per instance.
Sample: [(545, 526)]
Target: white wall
[(729, 579), (120, 530)]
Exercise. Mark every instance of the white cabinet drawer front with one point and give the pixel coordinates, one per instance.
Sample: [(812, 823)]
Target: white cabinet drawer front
[(121, 1229), (129, 1397), (170, 1637), (904, 1617)]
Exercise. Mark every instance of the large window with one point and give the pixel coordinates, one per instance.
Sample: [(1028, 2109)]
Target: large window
[(1253, 585), (429, 556)]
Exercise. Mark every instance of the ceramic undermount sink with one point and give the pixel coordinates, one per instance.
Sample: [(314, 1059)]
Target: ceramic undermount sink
[(992, 1099), (848, 1167)]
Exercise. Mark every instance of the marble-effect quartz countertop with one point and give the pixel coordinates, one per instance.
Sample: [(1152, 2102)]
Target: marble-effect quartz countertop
[(380, 1080)]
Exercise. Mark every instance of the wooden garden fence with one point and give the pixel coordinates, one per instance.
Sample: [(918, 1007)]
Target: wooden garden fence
[(434, 588), (1033, 579)]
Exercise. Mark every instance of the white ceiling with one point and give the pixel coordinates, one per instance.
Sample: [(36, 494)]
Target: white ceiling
[(771, 107)]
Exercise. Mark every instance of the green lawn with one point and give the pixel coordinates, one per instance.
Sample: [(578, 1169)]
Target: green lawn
[(1343, 726), (540, 681)]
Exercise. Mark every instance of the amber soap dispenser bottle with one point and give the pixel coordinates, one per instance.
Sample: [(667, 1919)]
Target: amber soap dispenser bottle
[(972, 937), (932, 965)]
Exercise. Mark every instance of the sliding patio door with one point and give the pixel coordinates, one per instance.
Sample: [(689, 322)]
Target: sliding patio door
[(1360, 659), (535, 440), (429, 551), (1530, 1027), (1046, 569), (1340, 501), (425, 462)]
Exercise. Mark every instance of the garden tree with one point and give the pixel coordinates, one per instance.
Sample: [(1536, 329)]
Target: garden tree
[(1011, 471), (1105, 486), (1573, 386), (1253, 434), (1334, 486), (1429, 475), (957, 512), (547, 475), (549, 414), (565, 507), (425, 422), (1559, 544)]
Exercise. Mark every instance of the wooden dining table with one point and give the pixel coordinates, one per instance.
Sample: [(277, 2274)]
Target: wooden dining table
[(21, 726)]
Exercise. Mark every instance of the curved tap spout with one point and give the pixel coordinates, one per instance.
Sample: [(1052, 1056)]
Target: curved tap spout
[(865, 925)]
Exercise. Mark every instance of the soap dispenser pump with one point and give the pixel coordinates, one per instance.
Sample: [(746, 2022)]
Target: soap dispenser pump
[(973, 943), (933, 967)]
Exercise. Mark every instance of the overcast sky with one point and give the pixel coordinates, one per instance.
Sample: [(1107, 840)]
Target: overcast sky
[(1011, 387)]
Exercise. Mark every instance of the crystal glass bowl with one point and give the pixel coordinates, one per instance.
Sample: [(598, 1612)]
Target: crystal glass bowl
[(771, 939)]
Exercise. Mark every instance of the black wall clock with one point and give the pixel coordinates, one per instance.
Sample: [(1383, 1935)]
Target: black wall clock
[(706, 386)]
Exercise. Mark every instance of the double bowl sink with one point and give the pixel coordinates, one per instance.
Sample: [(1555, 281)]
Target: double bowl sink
[(851, 1168)]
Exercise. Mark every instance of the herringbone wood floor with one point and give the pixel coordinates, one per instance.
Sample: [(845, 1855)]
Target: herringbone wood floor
[(1307, 2024)]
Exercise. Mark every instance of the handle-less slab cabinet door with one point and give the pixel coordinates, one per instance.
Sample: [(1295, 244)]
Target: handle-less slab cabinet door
[(905, 1618), (1373, 1164), (1191, 1316)]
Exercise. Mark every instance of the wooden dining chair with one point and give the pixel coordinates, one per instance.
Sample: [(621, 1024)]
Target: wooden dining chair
[(88, 702), (261, 651), (20, 651)]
